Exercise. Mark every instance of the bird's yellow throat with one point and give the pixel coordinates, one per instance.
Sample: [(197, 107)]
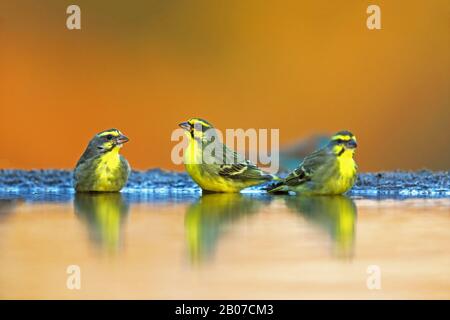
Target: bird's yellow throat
[(346, 163), (108, 163)]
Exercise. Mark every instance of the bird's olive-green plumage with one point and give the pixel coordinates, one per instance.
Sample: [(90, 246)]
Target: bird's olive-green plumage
[(101, 168), (209, 216), (104, 214), (327, 171), (334, 214), (221, 170)]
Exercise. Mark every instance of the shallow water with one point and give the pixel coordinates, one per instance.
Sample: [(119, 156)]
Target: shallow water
[(224, 246)]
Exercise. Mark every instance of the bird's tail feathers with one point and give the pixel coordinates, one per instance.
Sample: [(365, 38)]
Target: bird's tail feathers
[(278, 187), (271, 177)]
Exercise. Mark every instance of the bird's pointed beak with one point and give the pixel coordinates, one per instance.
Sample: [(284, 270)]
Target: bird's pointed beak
[(185, 125), (122, 139)]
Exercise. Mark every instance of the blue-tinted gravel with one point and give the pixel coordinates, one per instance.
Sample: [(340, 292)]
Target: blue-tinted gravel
[(163, 185)]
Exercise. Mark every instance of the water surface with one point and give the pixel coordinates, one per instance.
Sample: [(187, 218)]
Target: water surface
[(224, 246)]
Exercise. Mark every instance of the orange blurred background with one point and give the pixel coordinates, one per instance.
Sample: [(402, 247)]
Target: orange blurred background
[(300, 66)]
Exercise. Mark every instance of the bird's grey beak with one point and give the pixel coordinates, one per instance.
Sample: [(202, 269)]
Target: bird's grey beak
[(185, 125), (352, 144), (122, 139)]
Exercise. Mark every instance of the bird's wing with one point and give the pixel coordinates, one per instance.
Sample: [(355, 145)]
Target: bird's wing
[(127, 169), (237, 167), (307, 168), (245, 170), (82, 172)]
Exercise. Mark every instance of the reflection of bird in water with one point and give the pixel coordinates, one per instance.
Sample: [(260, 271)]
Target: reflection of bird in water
[(335, 214), (104, 214), (7, 206), (207, 218)]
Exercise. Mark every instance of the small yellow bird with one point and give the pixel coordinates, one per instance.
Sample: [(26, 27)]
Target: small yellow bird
[(327, 171), (101, 168), (221, 171)]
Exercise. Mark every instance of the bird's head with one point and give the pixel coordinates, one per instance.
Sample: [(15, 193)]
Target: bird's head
[(343, 142), (108, 140), (196, 128)]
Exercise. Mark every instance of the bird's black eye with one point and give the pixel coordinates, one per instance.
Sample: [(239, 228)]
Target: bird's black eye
[(109, 137)]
